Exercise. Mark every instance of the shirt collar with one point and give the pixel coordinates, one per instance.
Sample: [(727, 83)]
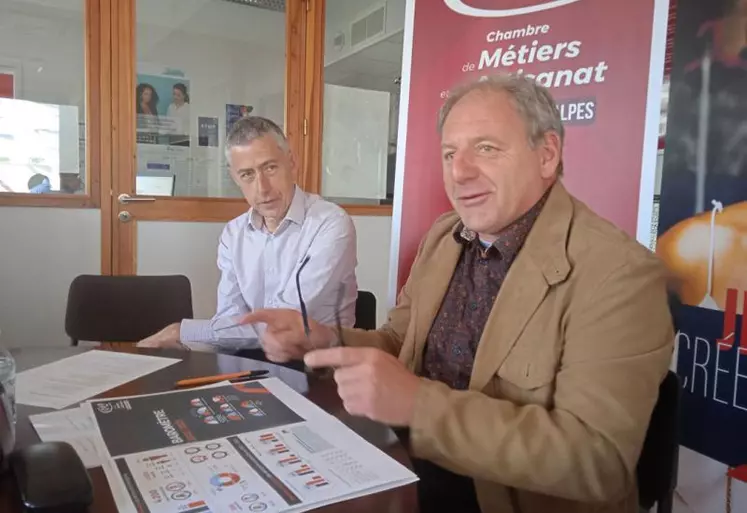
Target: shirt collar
[(296, 212), (511, 239)]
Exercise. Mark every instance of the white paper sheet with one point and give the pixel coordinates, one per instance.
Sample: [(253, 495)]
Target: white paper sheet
[(285, 453), (75, 426), (71, 380)]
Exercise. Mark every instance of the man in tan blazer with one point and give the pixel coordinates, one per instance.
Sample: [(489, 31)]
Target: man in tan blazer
[(526, 349)]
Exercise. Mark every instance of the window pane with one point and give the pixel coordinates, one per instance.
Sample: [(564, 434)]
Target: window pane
[(201, 65), (42, 96), (362, 66)]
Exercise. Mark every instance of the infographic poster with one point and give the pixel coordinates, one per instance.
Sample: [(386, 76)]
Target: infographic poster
[(155, 421), (256, 446), (235, 113)]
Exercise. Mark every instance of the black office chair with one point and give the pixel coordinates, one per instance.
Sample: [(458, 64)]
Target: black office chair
[(365, 311), (657, 466), (125, 308)]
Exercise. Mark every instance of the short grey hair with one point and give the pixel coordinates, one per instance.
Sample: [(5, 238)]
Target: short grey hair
[(534, 103), (249, 128)]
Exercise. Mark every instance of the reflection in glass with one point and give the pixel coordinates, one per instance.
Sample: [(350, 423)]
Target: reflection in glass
[(42, 97), (199, 69), (38, 150), (362, 67)]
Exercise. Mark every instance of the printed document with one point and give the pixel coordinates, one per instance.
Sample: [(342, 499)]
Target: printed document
[(253, 446), (72, 380)]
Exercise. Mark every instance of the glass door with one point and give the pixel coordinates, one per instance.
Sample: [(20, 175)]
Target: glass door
[(184, 70)]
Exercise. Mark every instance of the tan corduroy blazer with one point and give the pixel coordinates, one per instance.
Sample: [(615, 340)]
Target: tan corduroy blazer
[(566, 373)]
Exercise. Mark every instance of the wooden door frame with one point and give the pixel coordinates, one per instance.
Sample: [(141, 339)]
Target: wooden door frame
[(119, 240)]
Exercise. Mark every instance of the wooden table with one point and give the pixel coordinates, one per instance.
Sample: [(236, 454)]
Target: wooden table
[(320, 391)]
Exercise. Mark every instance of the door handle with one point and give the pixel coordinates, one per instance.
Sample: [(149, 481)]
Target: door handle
[(125, 198)]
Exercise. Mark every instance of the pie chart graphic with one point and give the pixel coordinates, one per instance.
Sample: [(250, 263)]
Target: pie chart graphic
[(224, 479)]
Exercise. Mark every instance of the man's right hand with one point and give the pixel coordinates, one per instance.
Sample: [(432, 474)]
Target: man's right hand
[(284, 338), (167, 338)]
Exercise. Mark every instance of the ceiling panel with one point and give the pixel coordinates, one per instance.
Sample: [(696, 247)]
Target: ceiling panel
[(376, 67)]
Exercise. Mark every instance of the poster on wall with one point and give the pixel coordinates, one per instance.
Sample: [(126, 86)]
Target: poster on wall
[(207, 132), (596, 58), (7, 85), (162, 107), (703, 223), (236, 112)]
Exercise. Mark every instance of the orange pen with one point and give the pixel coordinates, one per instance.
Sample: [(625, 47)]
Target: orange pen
[(208, 380)]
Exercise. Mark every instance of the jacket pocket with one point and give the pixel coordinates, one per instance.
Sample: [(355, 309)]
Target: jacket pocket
[(527, 376)]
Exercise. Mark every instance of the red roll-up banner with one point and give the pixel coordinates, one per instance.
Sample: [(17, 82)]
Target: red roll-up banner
[(603, 60)]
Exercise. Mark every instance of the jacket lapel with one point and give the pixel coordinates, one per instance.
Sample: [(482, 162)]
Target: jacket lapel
[(542, 263)]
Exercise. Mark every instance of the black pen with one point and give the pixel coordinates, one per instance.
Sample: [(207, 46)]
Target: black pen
[(259, 375)]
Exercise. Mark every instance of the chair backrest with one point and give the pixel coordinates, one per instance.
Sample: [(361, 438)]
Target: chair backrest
[(365, 310), (125, 308), (657, 466)]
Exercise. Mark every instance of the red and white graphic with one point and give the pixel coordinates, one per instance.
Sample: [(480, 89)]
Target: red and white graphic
[(303, 470), (268, 438), (279, 449), (316, 482), (291, 460), (523, 7)]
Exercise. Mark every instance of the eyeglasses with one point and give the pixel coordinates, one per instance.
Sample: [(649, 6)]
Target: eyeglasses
[(305, 315), (226, 323)]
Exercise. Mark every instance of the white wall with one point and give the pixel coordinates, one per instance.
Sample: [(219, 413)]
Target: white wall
[(41, 251), (190, 249), (183, 248)]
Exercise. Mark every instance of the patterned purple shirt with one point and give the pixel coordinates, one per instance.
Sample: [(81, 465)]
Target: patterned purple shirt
[(452, 342)]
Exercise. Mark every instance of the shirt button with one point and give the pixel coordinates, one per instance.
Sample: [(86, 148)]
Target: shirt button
[(473, 306)]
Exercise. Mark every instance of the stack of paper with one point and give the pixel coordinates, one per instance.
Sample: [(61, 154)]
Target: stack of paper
[(74, 379)]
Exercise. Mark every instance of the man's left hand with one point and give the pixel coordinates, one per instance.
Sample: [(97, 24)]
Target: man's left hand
[(371, 383)]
